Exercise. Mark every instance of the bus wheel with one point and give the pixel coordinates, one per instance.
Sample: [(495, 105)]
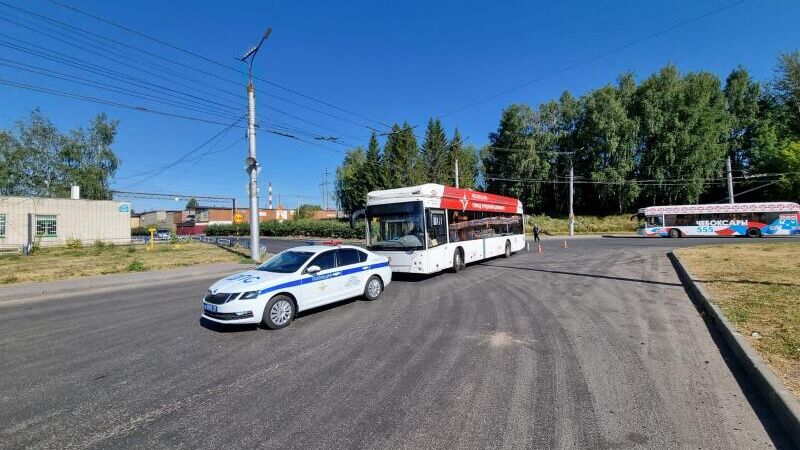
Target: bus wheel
[(507, 254), (754, 233), (458, 261), (674, 233)]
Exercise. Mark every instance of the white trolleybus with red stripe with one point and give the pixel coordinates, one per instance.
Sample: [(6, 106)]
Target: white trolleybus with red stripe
[(429, 228), (727, 219)]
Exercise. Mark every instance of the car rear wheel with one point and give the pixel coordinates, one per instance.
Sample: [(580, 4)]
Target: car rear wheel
[(374, 288), (674, 233), (754, 233), (278, 313)]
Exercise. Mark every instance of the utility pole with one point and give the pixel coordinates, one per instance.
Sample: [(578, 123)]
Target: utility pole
[(269, 196), (325, 190), (730, 179), (456, 172), (252, 162), (571, 190)]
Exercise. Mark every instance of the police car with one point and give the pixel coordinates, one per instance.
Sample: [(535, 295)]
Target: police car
[(295, 280)]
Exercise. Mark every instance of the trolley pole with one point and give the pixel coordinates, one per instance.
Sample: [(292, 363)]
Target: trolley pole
[(730, 179), (251, 161)]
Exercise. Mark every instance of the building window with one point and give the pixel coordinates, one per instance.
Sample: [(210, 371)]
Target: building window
[(2, 225), (46, 226)]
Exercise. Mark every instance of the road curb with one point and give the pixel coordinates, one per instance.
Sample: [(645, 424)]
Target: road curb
[(785, 407)]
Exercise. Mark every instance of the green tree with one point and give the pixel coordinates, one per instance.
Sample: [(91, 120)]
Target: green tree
[(468, 161), (785, 92), (435, 153), (192, 203), (401, 158), (374, 170), (351, 185), (40, 161), (306, 211), (684, 128), (609, 141)]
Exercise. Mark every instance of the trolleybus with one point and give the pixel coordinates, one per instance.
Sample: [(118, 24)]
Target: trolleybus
[(728, 219), (431, 227)]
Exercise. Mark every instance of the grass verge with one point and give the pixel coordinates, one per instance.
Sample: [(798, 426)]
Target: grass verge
[(59, 263), (757, 286), (584, 224)]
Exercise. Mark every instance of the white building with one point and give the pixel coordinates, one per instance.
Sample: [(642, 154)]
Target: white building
[(52, 221)]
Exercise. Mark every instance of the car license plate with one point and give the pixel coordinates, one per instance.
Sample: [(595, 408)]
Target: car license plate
[(210, 308)]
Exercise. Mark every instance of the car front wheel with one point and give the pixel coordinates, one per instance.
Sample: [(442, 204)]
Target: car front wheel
[(278, 313), (374, 288)]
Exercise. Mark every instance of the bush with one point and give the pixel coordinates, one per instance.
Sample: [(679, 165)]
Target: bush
[(136, 266), (300, 227), (139, 231), (74, 243)]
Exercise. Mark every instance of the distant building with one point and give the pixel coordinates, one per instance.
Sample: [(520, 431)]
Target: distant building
[(52, 221), (327, 214), (194, 221), (135, 220), (159, 218)]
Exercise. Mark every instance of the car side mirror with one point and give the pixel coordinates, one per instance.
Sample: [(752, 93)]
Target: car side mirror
[(313, 269)]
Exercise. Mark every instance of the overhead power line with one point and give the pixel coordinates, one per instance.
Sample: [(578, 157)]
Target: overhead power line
[(212, 61)]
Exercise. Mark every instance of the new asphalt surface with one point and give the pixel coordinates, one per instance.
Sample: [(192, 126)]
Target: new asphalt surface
[(594, 346)]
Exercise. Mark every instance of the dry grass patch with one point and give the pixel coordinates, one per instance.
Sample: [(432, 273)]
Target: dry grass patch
[(757, 286), (60, 263)]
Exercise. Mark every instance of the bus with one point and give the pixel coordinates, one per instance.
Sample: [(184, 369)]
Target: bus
[(727, 219), (429, 228)]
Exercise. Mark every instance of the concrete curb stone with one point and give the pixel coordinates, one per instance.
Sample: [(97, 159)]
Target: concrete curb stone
[(782, 403)]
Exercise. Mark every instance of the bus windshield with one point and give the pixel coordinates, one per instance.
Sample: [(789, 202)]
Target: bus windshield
[(396, 226)]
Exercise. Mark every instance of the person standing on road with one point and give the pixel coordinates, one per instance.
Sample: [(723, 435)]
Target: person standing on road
[(536, 231)]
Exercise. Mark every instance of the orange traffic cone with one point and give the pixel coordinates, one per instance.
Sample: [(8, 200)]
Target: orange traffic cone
[(564, 245), (538, 248)]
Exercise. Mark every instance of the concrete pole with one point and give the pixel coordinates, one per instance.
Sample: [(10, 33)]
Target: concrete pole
[(730, 179), (571, 213), (255, 244), (456, 172)]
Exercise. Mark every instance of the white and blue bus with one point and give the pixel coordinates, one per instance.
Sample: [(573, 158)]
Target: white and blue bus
[(727, 219)]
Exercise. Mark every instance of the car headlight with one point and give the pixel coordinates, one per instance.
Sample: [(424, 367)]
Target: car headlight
[(249, 295)]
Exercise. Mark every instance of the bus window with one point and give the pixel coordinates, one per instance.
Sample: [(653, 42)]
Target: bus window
[(654, 221), (437, 232)]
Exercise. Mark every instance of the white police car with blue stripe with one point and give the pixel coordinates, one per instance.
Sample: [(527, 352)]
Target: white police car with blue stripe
[(295, 280)]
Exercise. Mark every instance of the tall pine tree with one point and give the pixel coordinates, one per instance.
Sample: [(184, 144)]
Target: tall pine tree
[(434, 153)]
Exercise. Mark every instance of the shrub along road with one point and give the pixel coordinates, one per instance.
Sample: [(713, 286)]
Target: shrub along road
[(596, 346)]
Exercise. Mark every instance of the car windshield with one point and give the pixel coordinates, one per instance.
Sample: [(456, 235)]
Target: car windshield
[(285, 262), (396, 226)]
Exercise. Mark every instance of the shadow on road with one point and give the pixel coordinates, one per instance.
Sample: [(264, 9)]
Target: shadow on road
[(225, 328), (578, 274)]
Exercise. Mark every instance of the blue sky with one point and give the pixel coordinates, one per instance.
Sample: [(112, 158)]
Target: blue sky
[(386, 61)]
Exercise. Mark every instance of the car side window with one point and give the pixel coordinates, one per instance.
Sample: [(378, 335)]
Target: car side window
[(325, 260), (362, 256), (348, 256)]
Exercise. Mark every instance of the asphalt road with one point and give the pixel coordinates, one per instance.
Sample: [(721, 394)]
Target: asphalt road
[(596, 346)]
